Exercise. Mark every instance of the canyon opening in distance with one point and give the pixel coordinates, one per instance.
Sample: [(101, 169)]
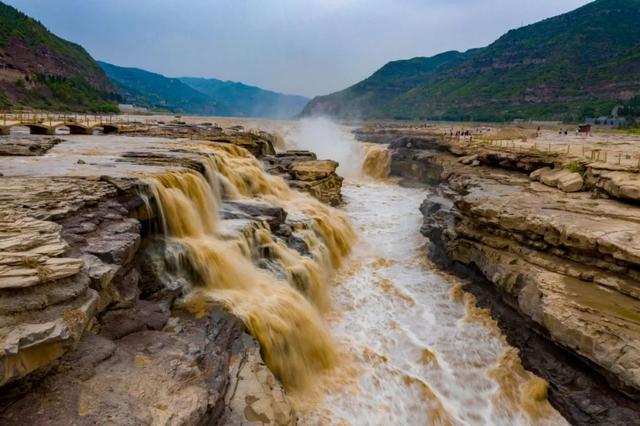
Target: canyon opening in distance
[(454, 240)]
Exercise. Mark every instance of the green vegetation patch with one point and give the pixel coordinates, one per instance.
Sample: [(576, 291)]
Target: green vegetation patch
[(565, 68)]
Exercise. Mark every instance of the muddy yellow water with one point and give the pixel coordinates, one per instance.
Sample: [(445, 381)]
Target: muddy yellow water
[(361, 331), (377, 161), (417, 351), (283, 313), (373, 337)]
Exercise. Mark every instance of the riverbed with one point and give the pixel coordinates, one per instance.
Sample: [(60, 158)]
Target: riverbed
[(417, 350)]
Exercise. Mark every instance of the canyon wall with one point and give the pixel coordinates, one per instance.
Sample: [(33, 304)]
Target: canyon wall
[(551, 248)]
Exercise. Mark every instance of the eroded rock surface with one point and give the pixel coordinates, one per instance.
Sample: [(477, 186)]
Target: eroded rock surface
[(90, 328), (602, 179), (48, 292), (556, 265), (27, 146), (306, 173), (182, 372), (616, 182), (257, 142)]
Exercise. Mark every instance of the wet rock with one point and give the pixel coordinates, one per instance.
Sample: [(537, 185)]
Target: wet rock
[(177, 376), (26, 145), (312, 170), (157, 280), (254, 394), (559, 269), (273, 215), (327, 190), (307, 174), (145, 315)]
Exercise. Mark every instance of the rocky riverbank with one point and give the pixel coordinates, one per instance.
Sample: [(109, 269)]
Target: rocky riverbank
[(93, 325), (550, 245)]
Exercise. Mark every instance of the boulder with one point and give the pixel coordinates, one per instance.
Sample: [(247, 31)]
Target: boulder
[(536, 174), (571, 182), (194, 371), (468, 159), (563, 179), (312, 170)]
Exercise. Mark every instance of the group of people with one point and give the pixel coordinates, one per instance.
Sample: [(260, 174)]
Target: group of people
[(458, 133), (565, 132)]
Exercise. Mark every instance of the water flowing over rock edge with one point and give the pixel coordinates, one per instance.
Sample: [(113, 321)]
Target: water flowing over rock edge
[(129, 313)]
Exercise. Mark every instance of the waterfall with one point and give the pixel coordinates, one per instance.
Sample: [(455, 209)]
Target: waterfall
[(377, 161), (283, 313)]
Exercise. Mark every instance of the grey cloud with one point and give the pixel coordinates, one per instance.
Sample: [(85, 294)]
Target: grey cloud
[(306, 47)]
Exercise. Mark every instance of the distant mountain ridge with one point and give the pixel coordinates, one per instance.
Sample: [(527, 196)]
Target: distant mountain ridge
[(248, 101), (578, 64), (202, 96), (156, 91), (41, 70)]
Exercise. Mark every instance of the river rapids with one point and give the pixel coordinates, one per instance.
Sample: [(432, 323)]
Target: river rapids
[(363, 330), (418, 350), (415, 349)]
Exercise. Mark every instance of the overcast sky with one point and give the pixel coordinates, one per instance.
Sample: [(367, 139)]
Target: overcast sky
[(307, 47)]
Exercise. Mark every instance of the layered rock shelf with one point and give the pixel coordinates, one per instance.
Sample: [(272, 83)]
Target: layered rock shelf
[(563, 170), (552, 247), (306, 173), (90, 328)]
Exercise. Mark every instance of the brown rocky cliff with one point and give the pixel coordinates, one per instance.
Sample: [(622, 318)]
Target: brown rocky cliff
[(34, 62)]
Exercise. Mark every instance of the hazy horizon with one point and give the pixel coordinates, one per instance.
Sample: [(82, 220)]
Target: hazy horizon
[(294, 47)]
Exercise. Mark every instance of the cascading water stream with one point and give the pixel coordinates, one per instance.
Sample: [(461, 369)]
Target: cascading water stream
[(419, 350), (377, 161), (422, 352), (403, 343), (283, 314)]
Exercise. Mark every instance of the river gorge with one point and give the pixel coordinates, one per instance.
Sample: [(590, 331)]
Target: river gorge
[(189, 273)]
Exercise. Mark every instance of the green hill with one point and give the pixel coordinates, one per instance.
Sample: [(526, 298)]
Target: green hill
[(40, 70), (200, 95), (579, 64), (156, 91), (248, 101), (371, 97)]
